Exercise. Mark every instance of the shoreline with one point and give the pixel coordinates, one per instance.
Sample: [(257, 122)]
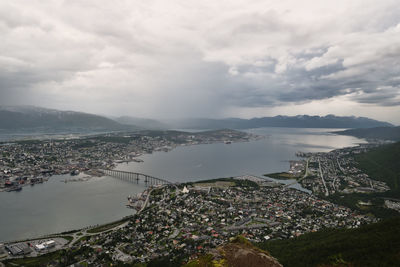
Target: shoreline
[(66, 232), (244, 185), (89, 176), (171, 150), (95, 172)]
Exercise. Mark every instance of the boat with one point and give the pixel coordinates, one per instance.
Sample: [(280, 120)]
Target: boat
[(14, 188), (132, 199), (75, 172)]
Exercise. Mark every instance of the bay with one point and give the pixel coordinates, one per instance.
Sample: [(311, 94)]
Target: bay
[(268, 155), (56, 206)]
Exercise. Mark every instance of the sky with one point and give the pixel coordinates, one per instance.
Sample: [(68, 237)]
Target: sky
[(183, 58)]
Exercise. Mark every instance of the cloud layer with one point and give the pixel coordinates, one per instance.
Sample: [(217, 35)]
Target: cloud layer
[(202, 58)]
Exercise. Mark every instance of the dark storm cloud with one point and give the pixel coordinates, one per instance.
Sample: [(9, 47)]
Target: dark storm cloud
[(191, 58)]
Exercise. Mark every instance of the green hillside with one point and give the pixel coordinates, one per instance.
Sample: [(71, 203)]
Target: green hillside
[(387, 133), (382, 164), (370, 245)]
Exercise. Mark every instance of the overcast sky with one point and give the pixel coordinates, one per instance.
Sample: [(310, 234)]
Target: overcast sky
[(168, 59)]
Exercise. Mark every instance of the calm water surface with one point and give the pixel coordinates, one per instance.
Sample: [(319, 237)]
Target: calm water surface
[(271, 154), (56, 206)]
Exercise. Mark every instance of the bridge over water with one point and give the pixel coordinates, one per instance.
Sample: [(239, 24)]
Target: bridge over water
[(136, 177)]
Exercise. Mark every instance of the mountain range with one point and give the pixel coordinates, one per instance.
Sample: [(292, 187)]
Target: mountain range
[(142, 122), (37, 119), (29, 118), (299, 121)]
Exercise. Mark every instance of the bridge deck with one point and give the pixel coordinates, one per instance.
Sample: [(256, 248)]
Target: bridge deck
[(135, 176)]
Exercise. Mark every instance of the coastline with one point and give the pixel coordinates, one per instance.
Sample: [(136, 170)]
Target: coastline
[(84, 177), (130, 156), (66, 232), (182, 145)]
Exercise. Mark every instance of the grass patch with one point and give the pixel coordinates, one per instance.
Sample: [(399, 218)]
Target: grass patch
[(203, 261), (84, 238), (221, 184), (226, 181), (281, 175), (105, 227)]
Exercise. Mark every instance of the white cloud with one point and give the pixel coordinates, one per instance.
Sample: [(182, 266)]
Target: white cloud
[(199, 58)]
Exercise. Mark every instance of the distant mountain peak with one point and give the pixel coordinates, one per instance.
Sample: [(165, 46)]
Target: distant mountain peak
[(31, 118), (142, 122), (298, 121)]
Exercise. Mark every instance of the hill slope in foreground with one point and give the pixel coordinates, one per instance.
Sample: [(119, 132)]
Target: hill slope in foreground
[(240, 252), (375, 244)]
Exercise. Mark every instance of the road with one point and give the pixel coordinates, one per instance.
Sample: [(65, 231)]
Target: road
[(84, 233), (340, 167), (322, 177), (146, 201)]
